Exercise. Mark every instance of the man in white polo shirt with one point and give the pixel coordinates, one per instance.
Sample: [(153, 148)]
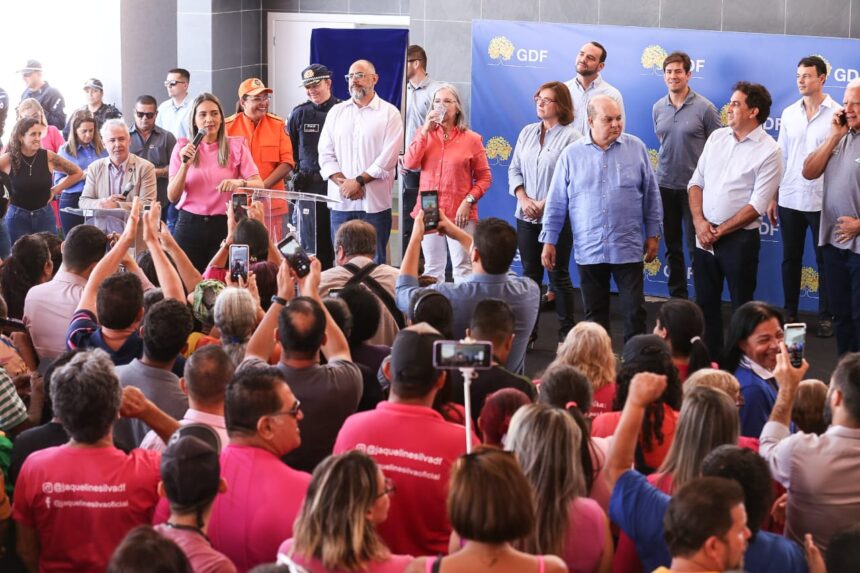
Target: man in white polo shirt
[(804, 126), (735, 179)]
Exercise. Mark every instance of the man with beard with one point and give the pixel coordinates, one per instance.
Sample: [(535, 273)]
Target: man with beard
[(358, 151), (587, 83)]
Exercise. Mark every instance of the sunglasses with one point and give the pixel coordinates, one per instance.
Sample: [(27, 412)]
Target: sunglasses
[(293, 411), (171, 83), (145, 114)]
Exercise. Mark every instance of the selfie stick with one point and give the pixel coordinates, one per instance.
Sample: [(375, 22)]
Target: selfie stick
[(468, 375)]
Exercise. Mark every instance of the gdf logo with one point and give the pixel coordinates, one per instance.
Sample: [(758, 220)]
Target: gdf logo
[(501, 50)]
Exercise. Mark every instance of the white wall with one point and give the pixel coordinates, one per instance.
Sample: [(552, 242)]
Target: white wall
[(74, 40)]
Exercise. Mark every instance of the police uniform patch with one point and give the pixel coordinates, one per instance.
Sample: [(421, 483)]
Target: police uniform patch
[(311, 128), (308, 74)]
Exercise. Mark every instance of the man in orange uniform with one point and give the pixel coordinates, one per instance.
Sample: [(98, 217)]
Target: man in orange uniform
[(269, 142)]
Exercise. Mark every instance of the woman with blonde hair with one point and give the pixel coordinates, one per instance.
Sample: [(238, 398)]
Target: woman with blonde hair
[(336, 528), (52, 139), (588, 347), (546, 442), (203, 177), (491, 507)]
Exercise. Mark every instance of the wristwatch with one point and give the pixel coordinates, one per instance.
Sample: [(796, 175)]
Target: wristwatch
[(469, 199), (278, 300), (360, 180)]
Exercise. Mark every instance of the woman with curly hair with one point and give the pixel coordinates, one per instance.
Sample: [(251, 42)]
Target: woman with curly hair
[(588, 348)]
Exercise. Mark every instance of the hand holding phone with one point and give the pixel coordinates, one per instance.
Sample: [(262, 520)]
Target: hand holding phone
[(291, 248), (430, 206), (841, 118), (240, 201), (240, 262)]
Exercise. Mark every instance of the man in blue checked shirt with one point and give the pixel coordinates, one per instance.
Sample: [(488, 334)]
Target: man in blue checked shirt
[(606, 184)]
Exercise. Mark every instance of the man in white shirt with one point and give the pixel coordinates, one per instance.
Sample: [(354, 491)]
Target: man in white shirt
[(173, 112), (735, 179), (358, 150), (804, 126), (587, 83)]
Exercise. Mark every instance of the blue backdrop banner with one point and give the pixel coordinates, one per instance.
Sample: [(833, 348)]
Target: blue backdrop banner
[(511, 59), (338, 48)]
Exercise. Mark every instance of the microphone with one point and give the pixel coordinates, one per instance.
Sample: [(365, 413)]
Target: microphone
[(197, 139)]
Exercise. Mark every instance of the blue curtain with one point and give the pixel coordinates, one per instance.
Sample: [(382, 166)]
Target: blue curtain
[(337, 49)]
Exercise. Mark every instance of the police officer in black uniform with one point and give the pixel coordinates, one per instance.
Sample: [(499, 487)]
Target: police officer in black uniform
[(48, 96), (305, 126)]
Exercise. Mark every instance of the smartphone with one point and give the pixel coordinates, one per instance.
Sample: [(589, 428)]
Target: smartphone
[(453, 354), (795, 340), (292, 250), (840, 117), (240, 262), (240, 201), (430, 206)]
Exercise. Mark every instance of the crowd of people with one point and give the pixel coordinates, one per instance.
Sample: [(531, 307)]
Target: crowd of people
[(163, 408)]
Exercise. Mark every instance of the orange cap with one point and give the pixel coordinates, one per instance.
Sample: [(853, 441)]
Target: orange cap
[(253, 86)]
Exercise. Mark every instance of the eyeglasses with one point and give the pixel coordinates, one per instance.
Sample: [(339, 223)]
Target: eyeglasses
[(389, 488), (544, 100), (144, 114), (171, 83), (356, 76), (293, 411)]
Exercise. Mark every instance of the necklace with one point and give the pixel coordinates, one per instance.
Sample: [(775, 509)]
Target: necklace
[(180, 526), (29, 164)]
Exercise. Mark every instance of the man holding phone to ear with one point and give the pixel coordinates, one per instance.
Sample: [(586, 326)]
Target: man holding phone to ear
[(838, 160)]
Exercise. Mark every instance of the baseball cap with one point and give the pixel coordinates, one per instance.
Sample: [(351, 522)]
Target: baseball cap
[(412, 355), (95, 84), (253, 86), (190, 468), (314, 73), (31, 66)]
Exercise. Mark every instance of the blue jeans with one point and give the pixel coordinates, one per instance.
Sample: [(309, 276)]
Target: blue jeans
[(381, 222), (5, 242), (842, 267), (67, 220), (23, 222)]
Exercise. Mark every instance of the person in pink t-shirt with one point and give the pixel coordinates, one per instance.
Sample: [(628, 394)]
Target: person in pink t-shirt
[(75, 503), (203, 177), (453, 163), (336, 529), (546, 442), (588, 347), (251, 520), (412, 444)]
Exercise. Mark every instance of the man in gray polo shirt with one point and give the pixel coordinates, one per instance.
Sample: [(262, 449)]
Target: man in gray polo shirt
[(683, 120), (838, 158)]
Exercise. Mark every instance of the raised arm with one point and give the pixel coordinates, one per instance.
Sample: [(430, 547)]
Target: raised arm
[(109, 263), (262, 342), (168, 278), (644, 389), (336, 346)]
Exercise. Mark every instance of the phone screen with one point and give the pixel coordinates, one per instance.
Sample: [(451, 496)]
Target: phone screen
[(240, 200), (240, 262), (451, 354), (292, 250), (430, 206), (795, 341)]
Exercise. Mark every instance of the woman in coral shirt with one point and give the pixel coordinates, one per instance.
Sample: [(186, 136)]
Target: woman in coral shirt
[(453, 162)]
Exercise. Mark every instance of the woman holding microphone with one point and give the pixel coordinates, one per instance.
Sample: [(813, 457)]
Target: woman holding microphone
[(204, 173), (454, 164), (532, 166)]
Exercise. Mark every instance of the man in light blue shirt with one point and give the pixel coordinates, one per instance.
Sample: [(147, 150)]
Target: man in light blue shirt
[(605, 183), (173, 112), (588, 83), (492, 252)]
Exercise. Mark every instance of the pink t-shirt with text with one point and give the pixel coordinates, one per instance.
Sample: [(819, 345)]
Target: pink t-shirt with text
[(201, 195), (83, 501), (415, 447)]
